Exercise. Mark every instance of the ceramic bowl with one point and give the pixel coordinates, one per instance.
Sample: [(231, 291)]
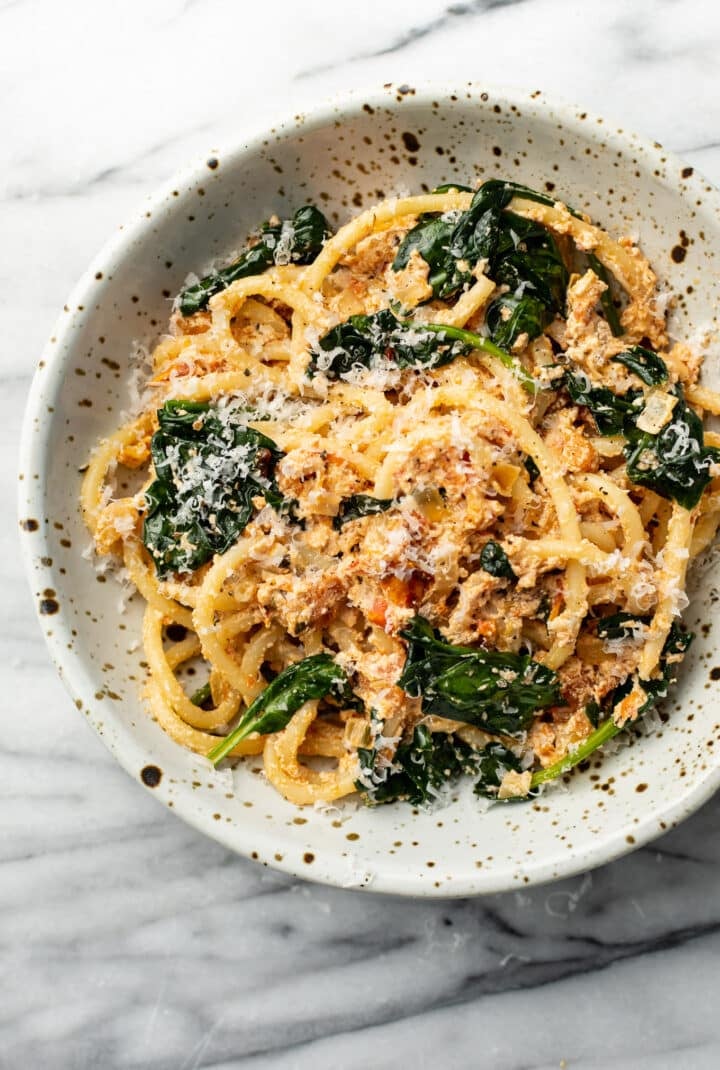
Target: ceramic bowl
[(345, 155)]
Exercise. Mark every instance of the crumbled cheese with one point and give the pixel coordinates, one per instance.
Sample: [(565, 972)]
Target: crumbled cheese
[(515, 785), (658, 410), (140, 372), (283, 250)]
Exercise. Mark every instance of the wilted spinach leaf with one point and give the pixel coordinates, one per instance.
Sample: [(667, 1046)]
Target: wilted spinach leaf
[(202, 697), (606, 298), (531, 468), (381, 340), (293, 241), (208, 467), (495, 761), (421, 767), (312, 678), (520, 254), (646, 364), (673, 651), (494, 560), (359, 505), (674, 463), (499, 692), (611, 412), (618, 625)]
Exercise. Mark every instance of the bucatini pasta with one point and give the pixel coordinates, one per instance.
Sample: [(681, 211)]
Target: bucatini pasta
[(418, 498)]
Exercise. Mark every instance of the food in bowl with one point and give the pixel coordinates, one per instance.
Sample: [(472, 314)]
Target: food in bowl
[(420, 496)]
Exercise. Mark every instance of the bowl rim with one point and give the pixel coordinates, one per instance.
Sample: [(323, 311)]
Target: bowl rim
[(48, 377)]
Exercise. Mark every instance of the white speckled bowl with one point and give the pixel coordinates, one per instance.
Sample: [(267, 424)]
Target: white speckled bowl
[(344, 155)]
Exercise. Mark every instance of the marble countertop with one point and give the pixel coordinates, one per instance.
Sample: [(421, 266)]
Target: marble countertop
[(127, 940)]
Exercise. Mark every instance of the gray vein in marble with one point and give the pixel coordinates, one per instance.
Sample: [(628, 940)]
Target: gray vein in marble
[(113, 173), (451, 14)]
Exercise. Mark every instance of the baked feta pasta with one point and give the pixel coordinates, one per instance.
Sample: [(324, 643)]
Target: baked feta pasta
[(414, 500)]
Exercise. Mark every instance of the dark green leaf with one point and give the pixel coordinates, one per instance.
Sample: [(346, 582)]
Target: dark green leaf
[(420, 768), (295, 241), (202, 696), (532, 469), (520, 254), (448, 187), (611, 412), (495, 761), (359, 505), (315, 677), (592, 712), (381, 340), (208, 467), (494, 560), (646, 364), (673, 651), (619, 626), (606, 298), (508, 317), (674, 463), (499, 692)]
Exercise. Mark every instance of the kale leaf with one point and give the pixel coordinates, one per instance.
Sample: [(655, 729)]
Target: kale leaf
[(293, 241), (498, 692), (315, 677), (645, 363), (359, 505), (494, 560), (509, 316), (208, 467)]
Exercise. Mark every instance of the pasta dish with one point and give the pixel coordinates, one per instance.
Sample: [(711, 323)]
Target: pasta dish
[(415, 499)]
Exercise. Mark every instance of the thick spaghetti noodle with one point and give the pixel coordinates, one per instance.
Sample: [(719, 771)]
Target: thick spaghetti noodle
[(418, 497)]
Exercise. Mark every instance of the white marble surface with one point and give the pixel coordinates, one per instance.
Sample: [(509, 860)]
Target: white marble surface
[(126, 939)]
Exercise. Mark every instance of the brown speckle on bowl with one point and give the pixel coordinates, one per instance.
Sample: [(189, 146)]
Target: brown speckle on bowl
[(151, 776)]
